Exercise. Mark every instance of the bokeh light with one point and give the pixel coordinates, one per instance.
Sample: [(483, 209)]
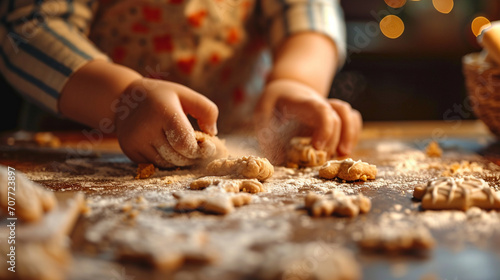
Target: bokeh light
[(392, 26), (478, 24), (443, 6), (395, 3)]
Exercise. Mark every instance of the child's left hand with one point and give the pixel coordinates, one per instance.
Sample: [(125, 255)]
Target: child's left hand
[(289, 108)]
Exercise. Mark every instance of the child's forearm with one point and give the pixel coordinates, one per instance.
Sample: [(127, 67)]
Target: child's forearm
[(309, 58), (91, 95)]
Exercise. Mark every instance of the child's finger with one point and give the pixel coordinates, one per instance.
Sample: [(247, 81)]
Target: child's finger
[(170, 155), (130, 149), (179, 132), (349, 129), (151, 154), (318, 114), (334, 125), (201, 108)]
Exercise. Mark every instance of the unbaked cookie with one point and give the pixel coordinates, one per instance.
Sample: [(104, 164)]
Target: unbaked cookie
[(457, 193), (228, 184), (302, 154), (396, 240), (31, 199), (210, 201), (336, 203), (168, 251), (50, 259), (250, 167), (348, 170), (313, 260)]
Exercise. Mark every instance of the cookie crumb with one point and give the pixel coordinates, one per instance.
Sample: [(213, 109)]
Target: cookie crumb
[(145, 170), (433, 149)]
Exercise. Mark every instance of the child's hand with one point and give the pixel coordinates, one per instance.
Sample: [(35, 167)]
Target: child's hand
[(152, 125), (289, 108)]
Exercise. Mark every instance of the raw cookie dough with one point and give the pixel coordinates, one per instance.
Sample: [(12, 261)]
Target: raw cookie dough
[(313, 260), (162, 253), (210, 201), (48, 260), (145, 170), (396, 240), (31, 199), (227, 184), (302, 154), (448, 193), (336, 203), (211, 147), (250, 167), (348, 170)]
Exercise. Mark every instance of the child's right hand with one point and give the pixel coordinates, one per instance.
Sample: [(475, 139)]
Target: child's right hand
[(152, 124)]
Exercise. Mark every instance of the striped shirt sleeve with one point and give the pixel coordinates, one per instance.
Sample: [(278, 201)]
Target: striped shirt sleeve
[(42, 43), (287, 17)]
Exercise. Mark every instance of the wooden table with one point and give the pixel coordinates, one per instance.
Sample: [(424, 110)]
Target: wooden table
[(467, 243)]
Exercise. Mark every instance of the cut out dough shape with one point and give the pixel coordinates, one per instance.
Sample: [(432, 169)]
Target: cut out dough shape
[(396, 241), (348, 170), (293, 261), (449, 193), (228, 184), (167, 251), (336, 203), (210, 201)]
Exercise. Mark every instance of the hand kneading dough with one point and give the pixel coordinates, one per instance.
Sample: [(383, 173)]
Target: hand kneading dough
[(302, 154), (211, 147)]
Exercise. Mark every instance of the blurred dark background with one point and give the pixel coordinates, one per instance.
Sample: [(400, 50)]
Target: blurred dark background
[(417, 76)]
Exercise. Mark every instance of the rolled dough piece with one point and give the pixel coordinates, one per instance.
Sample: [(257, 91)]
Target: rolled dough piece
[(348, 170), (250, 167), (228, 184)]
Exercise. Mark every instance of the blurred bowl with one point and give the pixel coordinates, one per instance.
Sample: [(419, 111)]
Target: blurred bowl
[(482, 79)]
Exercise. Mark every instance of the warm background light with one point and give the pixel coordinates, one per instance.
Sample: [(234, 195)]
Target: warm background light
[(478, 24), (392, 26), (443, 6), (395, 3)]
